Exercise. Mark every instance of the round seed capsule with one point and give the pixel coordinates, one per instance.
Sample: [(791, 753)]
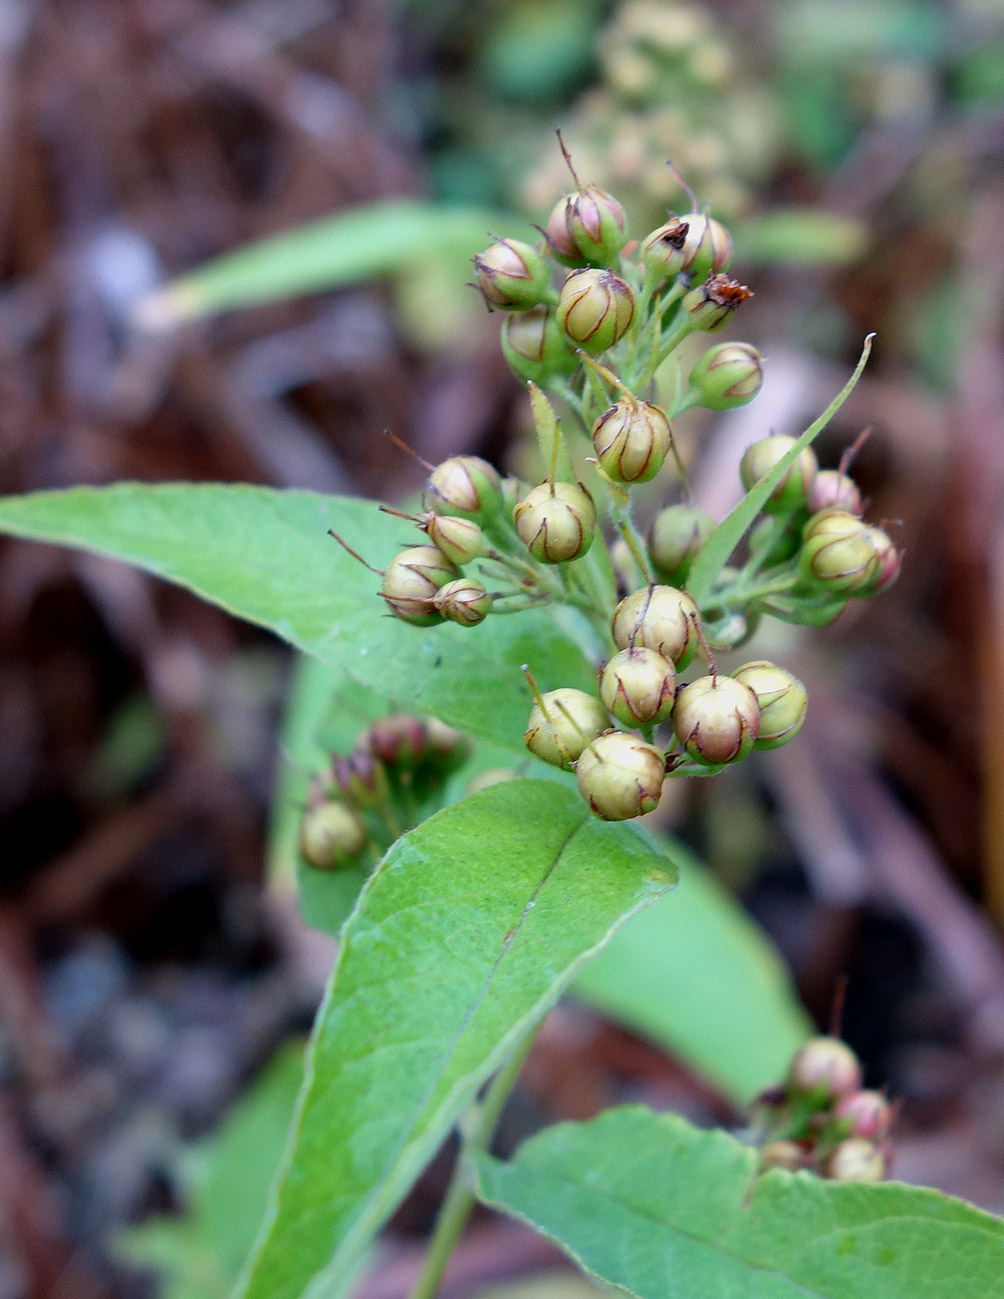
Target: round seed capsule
[(620, 776)]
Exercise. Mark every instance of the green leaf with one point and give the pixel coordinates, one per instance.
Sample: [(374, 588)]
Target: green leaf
[(265, 555), (348, 248), (723, 541), (801, 237), (696, 975), (662, 1209), (463, 938)]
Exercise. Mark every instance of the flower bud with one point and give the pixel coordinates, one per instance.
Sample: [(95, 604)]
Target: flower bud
[(712, 303), (660, 618), (632, 440), (889, 562), (361, 777), (595, 309), (410, 581), (331, 835), (535, 345), (445, 748), (464, 601), (760, 458), (594, 224), (638, 686), (466, 486), (708, 246), (864, 1114), (556, 521), (839, 553), (782, 1154), (678, 533), (716, 719), (782, 698), (398, 740), (662, 250), (832, 490), (559, 239), (825, 1066), (562, 723), (727, 376), (461, 540), (855, 1160), (512, 275), (493, 776), (620, 776)]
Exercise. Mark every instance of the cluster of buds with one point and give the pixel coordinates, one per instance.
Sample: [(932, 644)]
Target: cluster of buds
[(591, 318), (822, 1119), (365, 799)]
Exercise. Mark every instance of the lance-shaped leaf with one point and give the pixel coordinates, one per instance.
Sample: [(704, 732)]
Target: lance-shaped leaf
[(266, 556), (469, 930), (664, 1210)]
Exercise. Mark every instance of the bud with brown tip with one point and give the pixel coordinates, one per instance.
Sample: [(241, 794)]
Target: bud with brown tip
[(620, 776), (678, 533), (466, 486), (759, 459), (638, 686), (825, 1067), (632, 439), (660, 618), (332, 835), (662, 250), (716, 719), (512, 275), (708, 246), (782, 698), (595, 309), (410, 581), (556, 522), (713, 303), (463, 601), (562, 722)]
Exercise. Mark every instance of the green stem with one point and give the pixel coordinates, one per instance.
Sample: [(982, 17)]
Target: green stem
[(740, 596), (476, 1132)]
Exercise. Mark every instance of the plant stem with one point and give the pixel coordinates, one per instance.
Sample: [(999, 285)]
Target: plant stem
[(475, 1137)]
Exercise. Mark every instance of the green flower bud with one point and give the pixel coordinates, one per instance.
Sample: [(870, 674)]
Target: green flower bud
[(855, 1160), (825, 1067), (708, 246), (331, 835), (466, 486), (595, 309), (398, 740), (889, 562), (760, 458), (410, 581), (716, 719), (638, 686), (660, 618), (632, 440), (556, 521), (587, 226), (782, 698), (362, 778), (562, 723), (864, 1114), (678, 533), (493, 776), (620, 776), (464, 601), (711, 304), (782, 1154), (512, 275), (662, 250), (727, 376), (461, 540), (535, 345), (839, 553), (559, 240), (445, 748), (833, 490)]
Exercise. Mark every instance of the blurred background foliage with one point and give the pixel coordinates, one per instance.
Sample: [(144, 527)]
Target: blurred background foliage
[(146, 976)]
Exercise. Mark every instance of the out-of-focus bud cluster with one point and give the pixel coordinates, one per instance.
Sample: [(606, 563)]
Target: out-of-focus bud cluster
[(591, 317), (355, 807), (821, 1118), (664, 68)]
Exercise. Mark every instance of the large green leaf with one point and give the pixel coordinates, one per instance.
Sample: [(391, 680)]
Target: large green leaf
[(347, 248), (265, 555), (696, 975), (664, 1210), (469, 930)]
